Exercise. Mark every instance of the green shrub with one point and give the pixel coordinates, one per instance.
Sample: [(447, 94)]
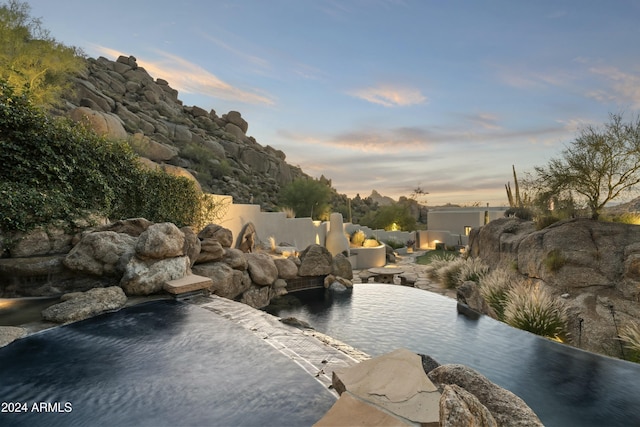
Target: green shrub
[(630, 335), (532, 309), (394, 244), (554, 260), (53, 169)]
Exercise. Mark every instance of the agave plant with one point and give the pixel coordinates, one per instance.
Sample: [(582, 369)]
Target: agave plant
[(533, 309)]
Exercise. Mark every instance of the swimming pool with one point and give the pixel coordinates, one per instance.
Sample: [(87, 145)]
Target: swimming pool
[(163, 363), (563, 385)]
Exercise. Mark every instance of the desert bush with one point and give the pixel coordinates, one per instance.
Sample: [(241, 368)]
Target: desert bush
[(394, 244), (358, 237), (545, 221), (554, 260), (436, 263), (55, 169), (630, 335), (472, 269), (522, 213), (495, 286), (290, 213), (370, 242), (624, 218), (449, 273), (533, 309)]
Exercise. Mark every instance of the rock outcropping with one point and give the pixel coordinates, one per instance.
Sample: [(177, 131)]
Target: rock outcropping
[(139, 257), (594, 265), (121, 100)]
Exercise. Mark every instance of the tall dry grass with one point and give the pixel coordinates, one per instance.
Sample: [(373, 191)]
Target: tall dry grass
[(495, 286), (532, 308), (630, 335)]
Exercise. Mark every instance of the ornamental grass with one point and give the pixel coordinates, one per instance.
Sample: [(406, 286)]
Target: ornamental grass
[(533, 309), (495, 286), (630, 336)]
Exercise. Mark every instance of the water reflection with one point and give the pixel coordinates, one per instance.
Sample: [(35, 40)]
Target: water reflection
[(157, 364), (564, 385)]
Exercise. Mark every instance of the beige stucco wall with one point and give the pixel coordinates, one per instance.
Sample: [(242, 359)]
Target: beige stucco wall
[(299, 232), (448, 225)]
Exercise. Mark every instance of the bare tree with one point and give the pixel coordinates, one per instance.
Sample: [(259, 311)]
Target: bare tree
[(600, 165)]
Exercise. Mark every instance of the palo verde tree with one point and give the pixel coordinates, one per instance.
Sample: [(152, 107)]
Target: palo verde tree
[(600, 165), (307, 196), (30, 59)]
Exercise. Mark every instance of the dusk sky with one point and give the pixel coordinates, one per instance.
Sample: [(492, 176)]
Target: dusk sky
[(383, 94)]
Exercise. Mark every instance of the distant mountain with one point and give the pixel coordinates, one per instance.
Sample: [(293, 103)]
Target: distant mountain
[(380, 199)]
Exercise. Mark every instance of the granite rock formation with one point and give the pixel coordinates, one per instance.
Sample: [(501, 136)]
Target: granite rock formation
[(119, 99), (593, 265)]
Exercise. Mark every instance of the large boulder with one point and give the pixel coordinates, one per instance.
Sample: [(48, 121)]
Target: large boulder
[(219, 233), (262, 269), (192, 244), (235, 259), (498, 241), (8, 334), (469, 294), (40, 241), (315, 260), (133, 227), (342, 267), (100, 253), (507, 408), (458, 408), (287, 269), (236, 118), (156, 151), (257, 296), (160, 241), (227, 282), (104, 124), (82, 305), (146, 277), (210, 250)]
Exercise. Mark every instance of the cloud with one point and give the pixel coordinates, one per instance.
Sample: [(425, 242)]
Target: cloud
[(523, 77), (188, 77), (625, 87), (252, 59), (486, 121), (390, 95)]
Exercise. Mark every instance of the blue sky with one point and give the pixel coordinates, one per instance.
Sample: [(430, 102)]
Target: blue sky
[(384, 94)]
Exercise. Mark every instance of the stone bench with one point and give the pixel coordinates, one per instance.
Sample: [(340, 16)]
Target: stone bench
[(190, 284), (408, 279), (365, 275)]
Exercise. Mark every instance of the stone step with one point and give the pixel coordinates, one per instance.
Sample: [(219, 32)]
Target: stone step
[(188, 284)]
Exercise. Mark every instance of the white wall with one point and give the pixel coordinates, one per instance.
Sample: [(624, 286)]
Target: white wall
[(447, 225), (298, 232)]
